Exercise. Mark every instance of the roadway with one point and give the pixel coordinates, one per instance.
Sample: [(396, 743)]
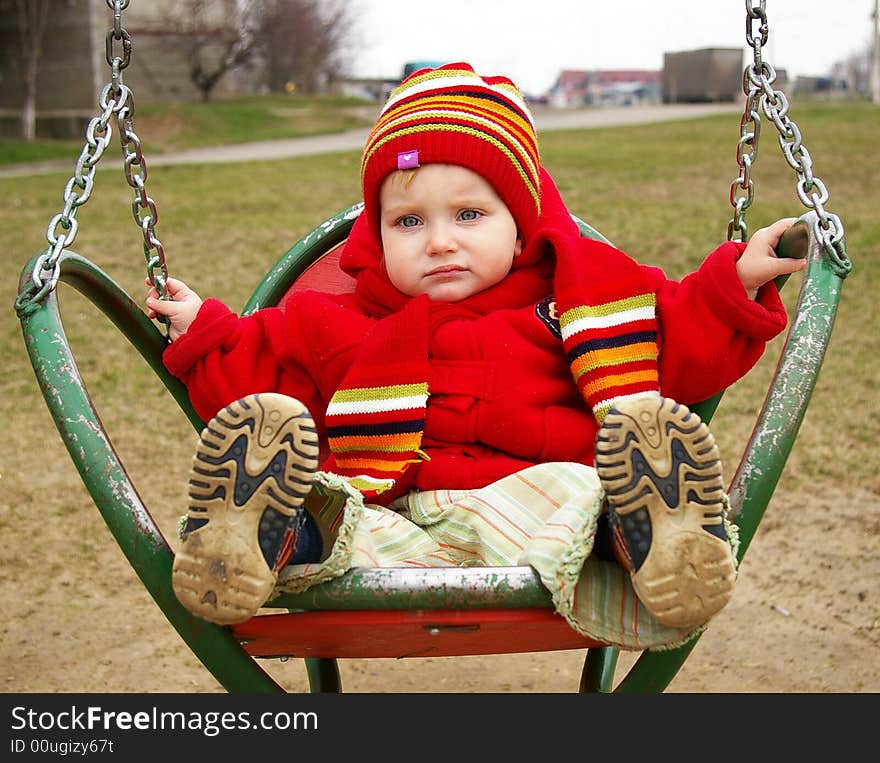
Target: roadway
[(546, 119)]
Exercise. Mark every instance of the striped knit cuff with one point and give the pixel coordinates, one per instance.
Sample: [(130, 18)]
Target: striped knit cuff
[(375, 432), (612, 350)]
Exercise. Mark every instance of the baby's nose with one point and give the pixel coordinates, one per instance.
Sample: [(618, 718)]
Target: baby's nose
[(441, 239)]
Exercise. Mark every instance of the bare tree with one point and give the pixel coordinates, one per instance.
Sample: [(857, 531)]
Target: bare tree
[(875, 54), (217, 36), (31, 16), (854, 71), (303, 42)]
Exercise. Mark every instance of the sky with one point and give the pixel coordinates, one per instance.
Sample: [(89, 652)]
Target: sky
[(530, 41)]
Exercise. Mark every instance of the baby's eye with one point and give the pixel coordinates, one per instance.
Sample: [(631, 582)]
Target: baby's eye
[(408, 221), (469, 214)]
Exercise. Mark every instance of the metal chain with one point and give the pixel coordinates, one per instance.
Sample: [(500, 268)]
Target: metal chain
[(758, 79), (144, 209), (116, 98), (742, 190)]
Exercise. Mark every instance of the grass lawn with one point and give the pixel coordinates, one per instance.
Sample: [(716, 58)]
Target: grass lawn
[(660, 192), (168, 127)]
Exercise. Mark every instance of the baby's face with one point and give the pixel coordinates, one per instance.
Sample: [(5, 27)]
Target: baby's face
[(445, 232)]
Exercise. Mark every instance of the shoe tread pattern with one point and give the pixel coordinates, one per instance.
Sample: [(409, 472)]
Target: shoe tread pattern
[(661, 472), (251, 472)]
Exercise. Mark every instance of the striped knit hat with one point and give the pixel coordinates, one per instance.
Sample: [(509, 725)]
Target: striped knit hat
[(605, 302), (450, 115)]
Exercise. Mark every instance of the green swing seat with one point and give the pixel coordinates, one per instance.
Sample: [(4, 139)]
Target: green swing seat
[(396, 612), (388, 612)]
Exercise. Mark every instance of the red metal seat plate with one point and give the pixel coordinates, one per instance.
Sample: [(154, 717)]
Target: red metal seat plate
[(405, 633)]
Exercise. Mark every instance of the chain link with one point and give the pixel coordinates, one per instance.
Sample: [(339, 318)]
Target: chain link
[(63, 227), (758, 79), (115, 99), (742, 190), (144, 209)]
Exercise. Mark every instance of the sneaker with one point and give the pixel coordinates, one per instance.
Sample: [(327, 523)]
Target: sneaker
[(251, 472), (661, 472)]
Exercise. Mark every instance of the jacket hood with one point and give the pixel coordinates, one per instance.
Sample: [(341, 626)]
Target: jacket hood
[(530, 279)]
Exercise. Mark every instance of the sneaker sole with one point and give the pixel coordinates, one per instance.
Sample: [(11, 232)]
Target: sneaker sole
[(661, 471), (253, 466)]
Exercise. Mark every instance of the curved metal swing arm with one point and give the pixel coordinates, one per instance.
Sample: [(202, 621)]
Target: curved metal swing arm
[(296, 260), (778, 422), (117, 305), (150, 556), (386, 589), (99, 464), (788, 396), (128, 519)]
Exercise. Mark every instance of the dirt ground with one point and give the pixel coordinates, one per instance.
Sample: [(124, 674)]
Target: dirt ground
[(804, 617)]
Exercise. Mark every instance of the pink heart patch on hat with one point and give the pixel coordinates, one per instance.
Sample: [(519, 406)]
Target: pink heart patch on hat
[(407, 160)]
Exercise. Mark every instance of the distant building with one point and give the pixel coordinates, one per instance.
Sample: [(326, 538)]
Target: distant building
[(624, 87), (73, 67), (853, 75), (822, 86), (413, 66), (366, 88), (707, 75)]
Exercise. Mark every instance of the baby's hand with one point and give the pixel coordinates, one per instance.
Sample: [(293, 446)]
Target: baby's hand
[(759, 263), (180, 307)]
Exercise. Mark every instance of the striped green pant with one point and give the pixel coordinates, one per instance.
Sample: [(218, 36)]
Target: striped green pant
[(544, 516)]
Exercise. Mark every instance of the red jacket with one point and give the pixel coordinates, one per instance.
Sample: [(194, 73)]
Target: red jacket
[(502, 396)]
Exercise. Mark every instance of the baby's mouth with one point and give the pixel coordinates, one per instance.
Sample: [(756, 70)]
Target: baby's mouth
[(443, 269)]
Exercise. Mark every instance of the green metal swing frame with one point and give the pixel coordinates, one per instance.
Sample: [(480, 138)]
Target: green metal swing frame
[(226, 652), (440, 605)]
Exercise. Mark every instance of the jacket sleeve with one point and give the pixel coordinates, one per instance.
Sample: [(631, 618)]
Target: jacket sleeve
[(710, 333), (223, 357)]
